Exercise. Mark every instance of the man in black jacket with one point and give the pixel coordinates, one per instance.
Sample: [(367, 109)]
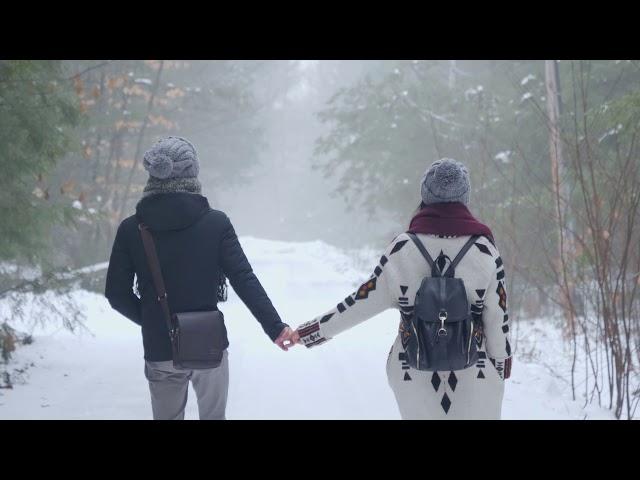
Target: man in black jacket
[(195, 245)]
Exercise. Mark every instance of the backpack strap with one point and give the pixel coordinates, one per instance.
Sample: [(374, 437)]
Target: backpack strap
[(423, 250), (452, 267)]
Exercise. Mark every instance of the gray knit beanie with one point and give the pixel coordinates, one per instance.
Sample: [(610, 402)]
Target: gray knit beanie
[(172, 157), (446, 180)]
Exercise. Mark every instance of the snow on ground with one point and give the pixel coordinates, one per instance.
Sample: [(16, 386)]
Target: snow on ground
[(98, 373)]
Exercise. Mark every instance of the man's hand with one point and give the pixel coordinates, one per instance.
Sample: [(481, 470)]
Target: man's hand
[(284, 340)]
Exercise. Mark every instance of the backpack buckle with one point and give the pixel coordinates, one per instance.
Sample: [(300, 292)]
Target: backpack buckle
[(442, 316)]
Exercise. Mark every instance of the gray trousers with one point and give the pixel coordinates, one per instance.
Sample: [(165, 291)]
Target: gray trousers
[(169, 387)]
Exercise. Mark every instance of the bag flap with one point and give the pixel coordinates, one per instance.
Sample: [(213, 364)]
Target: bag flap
[(430, 300), (211, 322)]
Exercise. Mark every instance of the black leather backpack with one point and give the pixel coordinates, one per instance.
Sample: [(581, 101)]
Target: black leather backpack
[(441, 331)]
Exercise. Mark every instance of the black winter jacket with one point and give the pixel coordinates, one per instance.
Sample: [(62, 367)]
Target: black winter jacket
[(194, 243)]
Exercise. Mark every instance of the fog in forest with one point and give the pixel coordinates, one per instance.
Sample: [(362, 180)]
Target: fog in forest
[(334, 151)]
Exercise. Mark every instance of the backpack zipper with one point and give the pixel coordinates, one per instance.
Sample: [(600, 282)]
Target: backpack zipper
[(417, 343), (469, 347)]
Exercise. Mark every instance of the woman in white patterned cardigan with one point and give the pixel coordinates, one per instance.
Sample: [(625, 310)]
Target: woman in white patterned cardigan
[(443, 224)]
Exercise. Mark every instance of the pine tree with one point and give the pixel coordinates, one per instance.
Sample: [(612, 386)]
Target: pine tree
[(37, 113)]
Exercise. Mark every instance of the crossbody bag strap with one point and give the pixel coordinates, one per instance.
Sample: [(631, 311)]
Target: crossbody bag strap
[(156, 273)]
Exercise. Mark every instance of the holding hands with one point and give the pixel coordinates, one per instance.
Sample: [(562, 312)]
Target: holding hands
[(287, 338)]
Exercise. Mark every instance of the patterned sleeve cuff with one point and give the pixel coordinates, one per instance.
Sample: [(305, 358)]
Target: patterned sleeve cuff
[(310, 334), (503, 367)]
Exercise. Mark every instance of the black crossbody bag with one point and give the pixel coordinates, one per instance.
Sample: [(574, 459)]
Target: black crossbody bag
[(198, 339)]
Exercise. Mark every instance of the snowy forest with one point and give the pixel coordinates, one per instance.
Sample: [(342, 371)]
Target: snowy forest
[(318, 163)]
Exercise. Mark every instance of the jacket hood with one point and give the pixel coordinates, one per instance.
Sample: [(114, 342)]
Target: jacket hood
[(171, 211)]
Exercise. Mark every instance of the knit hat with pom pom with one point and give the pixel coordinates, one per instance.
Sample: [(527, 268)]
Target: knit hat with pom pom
[(446, 180), (172, 157)]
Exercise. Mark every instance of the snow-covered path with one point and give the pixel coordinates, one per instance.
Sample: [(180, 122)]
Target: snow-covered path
[(99, 375)]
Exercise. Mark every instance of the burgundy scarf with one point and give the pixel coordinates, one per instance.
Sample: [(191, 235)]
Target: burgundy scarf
[(448, 219)]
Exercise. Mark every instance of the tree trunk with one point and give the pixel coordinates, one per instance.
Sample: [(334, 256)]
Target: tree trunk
[(125, 193)]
